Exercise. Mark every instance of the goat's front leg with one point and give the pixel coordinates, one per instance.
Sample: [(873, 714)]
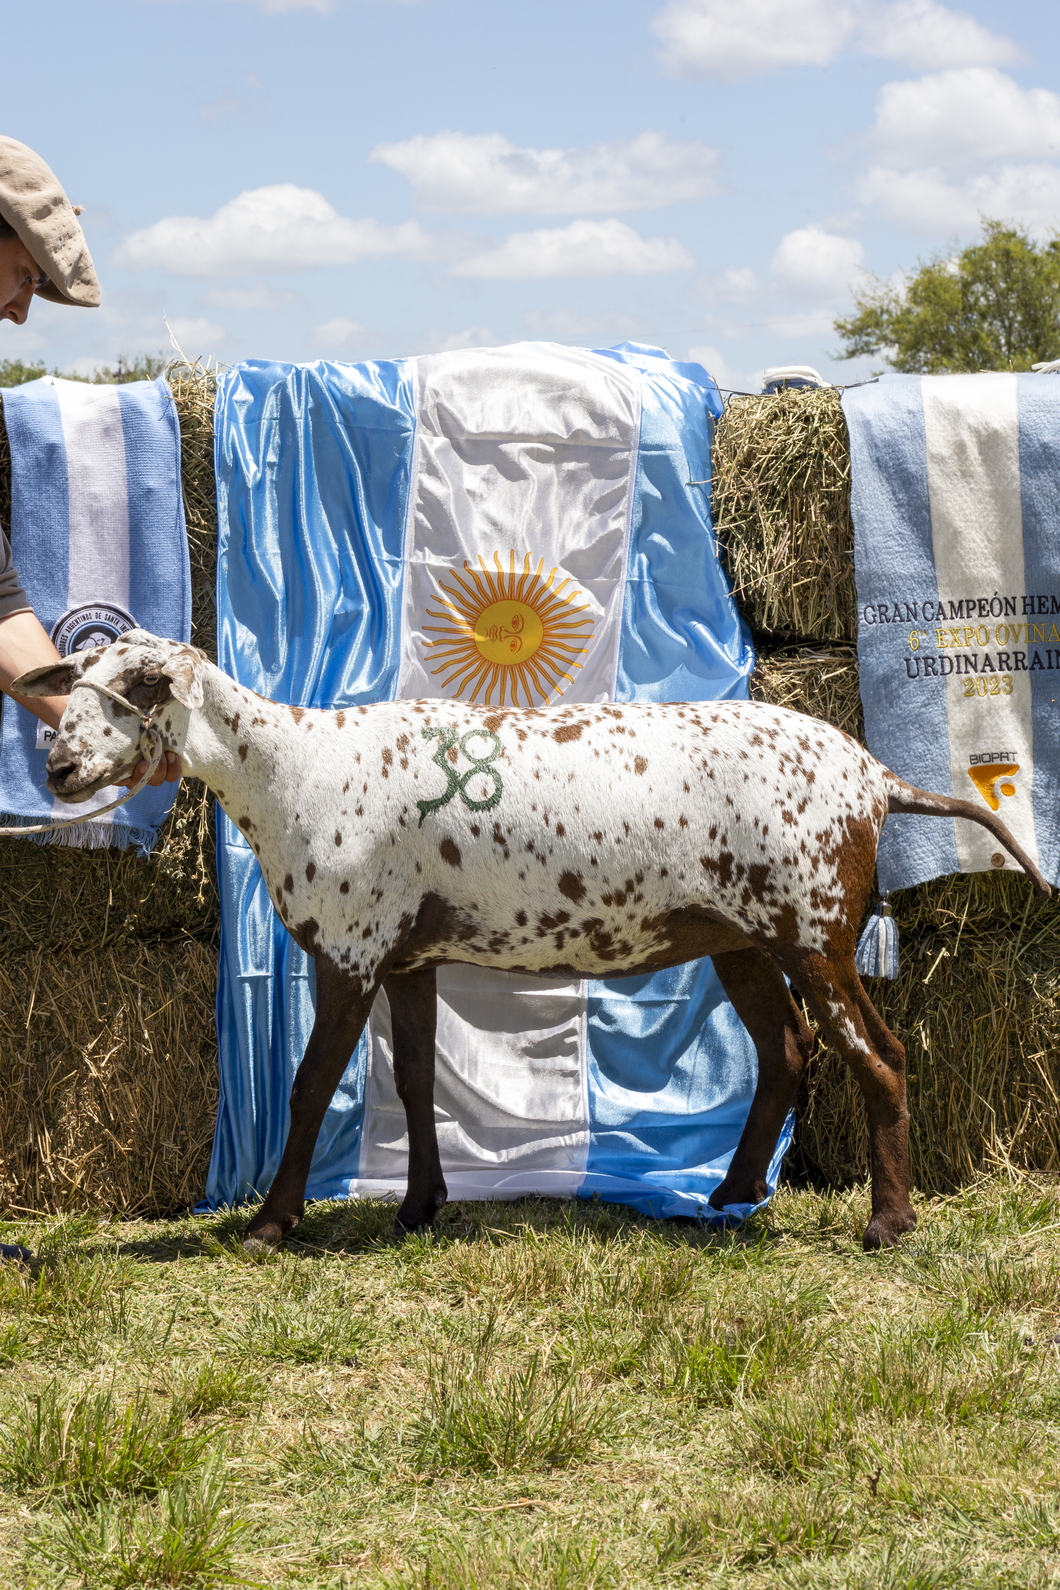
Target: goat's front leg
[(413, 1000), (343, 1004)]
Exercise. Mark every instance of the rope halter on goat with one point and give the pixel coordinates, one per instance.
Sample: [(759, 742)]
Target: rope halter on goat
[(150, 747)]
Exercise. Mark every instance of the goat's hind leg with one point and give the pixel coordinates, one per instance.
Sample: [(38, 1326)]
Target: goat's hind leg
[(760, 997), (342, 1010), (851, 1025), (413, 998)]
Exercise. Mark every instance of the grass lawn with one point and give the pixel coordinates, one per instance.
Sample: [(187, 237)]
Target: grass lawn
[(557, 1396)]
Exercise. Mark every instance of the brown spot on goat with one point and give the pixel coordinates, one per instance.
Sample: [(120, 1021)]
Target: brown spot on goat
[(449, 852), (571, 885)]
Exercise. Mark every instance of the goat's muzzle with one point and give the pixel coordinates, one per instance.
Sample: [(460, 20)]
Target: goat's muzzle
[(71, 780)]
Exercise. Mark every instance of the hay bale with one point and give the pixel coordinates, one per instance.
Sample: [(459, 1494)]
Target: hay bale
[(781, 506), (108, 1076), (194, 388), (52, 896), (823, 683), (980, 1019)]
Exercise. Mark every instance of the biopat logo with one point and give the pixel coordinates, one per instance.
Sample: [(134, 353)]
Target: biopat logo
[(991, 771)]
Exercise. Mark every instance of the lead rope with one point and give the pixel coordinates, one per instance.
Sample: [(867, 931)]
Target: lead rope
[(150, 746)]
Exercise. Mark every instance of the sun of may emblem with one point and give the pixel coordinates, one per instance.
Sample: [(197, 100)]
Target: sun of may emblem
[(507, 636)]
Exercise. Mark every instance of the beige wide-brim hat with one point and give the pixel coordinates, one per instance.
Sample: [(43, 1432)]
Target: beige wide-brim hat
[(32, 201)]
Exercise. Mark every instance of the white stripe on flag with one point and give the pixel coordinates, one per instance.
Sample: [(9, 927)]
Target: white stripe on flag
[(530, 450), (971, 427), (99, 513)]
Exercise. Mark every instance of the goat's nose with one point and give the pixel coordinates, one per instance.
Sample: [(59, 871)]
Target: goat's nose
[(60, 767)]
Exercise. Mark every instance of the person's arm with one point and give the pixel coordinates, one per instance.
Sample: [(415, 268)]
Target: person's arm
[(25, 644)]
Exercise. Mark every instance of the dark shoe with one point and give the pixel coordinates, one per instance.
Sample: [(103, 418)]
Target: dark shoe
[(12, 1250)]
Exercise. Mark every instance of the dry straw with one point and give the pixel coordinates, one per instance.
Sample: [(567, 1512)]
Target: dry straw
[(108, 1077), (979, 1014), (781, 505)]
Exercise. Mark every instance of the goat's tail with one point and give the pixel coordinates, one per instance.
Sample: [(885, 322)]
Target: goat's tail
[(906, 798)]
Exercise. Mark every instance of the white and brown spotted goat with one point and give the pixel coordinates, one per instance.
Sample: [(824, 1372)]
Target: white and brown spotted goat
[(591, 841)]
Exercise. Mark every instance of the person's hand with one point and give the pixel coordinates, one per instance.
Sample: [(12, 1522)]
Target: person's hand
[(167, 772)]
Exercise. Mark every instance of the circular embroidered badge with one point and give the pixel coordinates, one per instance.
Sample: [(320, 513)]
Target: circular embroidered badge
[(94, 624)]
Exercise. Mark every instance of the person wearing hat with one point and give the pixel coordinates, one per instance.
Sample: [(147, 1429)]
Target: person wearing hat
[(43, 253)]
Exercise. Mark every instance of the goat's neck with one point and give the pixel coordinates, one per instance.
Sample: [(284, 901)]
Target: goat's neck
[(231, 717)]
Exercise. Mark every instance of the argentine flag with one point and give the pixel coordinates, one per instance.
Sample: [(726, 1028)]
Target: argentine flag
[(517, 525), (955, 497)]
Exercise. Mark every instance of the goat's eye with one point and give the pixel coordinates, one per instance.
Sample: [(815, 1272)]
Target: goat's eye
[(150, 679)]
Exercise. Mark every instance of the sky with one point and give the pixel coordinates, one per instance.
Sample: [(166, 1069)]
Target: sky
[(359, 179)]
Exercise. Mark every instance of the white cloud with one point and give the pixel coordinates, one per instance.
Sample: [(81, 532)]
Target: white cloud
[(582, 249), (597, 328), (729, 377), (470, 337), (933, 201), (715, 38), (486, 175), (257, 296), (281, 228), (196, 337), (335, 333), (962, 118), (811, 263), (736, 285), (952, 146), (924, 36)]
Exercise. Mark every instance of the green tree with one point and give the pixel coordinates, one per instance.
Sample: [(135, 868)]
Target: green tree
[(14, 373), (145, 367), (993, 306)]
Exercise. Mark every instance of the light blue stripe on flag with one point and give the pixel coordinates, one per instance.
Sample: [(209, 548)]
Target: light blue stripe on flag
[(313, 467)]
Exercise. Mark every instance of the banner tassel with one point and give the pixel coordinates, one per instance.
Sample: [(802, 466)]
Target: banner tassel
[(877, 951)]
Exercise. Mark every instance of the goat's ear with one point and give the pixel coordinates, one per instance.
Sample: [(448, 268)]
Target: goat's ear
[(54, 679), (184, 672)]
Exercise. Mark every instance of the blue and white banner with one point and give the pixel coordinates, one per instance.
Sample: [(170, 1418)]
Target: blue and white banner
[(522, 524), (98, 538), (956, 506)]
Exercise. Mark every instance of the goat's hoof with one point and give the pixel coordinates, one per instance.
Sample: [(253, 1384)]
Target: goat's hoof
[(267, 1237), (885, 1229), (418, 1216), (751, 1192)]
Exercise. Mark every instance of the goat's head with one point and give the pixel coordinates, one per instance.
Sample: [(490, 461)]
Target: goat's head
[(99, 739)]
